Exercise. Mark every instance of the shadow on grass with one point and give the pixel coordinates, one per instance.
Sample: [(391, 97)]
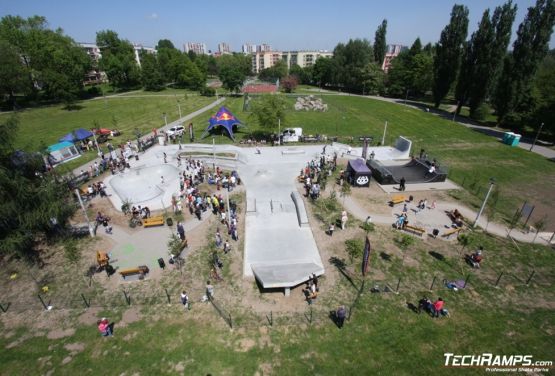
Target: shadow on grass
[(340, 265), (385, 256)]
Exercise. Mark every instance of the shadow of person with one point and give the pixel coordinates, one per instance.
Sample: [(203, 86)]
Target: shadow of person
[(333, 318), (111, 325), (412, 307)]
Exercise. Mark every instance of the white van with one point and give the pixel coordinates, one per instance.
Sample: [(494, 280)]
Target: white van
[(292, 134), (176, 131)]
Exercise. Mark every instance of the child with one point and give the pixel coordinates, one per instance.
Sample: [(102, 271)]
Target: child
[(330, 229)]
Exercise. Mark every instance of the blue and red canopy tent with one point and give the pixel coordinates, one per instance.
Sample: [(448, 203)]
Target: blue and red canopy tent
[(223, 118)]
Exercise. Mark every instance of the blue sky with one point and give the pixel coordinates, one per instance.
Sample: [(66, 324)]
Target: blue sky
[(285, 24)]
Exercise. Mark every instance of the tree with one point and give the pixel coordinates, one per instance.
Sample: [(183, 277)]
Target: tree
[(483, 57), (232, 72), (380, 45), (269, 109), (118, 60), (22, 177), (372, 78), (274, 73), (324, 72), (165, 43), (151, 78), (349, 59), (289, 83), (411, 71), (448, 53), (544, 89), (530, 47), (42, 59), (14, 77)]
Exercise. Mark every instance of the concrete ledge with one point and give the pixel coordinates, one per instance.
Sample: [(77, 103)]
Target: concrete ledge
[(301, 210), (293, 151), (285, 275)]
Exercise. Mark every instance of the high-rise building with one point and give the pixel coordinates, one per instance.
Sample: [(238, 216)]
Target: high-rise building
[(304, 58), (197, 48), (248, 48), (263, 48), (223, 48), (393, 50)]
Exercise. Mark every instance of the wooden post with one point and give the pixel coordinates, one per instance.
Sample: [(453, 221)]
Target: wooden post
[(230, 321), (5, 309), (530, 278), (167, 295), (466, 281), (499, 278), (43, 303), (433, 283), (127, 297), (398, 283), (87, 303)]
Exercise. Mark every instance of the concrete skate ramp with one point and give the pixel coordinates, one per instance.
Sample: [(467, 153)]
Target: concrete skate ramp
[(414, 171), (272, 276), (143, 183)]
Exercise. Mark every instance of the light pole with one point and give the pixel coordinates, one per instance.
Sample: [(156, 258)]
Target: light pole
[(455, 112), (279, 131), (214, 153), (165, 118), (406, 96), (536, 139), (491, 184), (179, 109), (384, 132)]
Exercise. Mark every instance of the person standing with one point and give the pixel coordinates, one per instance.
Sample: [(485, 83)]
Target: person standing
[(402, 184), (209, 290), (185, 299), (344, 219), (165, 158), (341, 314), (181, 231), (330, 229)]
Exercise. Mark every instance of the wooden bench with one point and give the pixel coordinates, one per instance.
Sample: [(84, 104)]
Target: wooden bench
[(416, 230), (143, 269), (397, 199), (153, 221), (450, 232)]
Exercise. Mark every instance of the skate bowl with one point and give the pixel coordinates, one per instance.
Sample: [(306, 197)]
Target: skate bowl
[(414, 171), (143, 184)]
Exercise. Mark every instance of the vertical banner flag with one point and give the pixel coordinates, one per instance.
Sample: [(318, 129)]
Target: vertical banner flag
[(366, 257), (365, 149)]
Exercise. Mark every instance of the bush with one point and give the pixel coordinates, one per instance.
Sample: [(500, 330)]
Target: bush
[(481, 112), (207, 91)]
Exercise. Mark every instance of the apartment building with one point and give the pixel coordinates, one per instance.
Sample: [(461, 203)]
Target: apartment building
[(393, 50), (224, 49), (197, 48), (304, 58)]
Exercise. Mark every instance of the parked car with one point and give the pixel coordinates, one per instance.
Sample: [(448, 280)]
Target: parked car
[(176, 131)]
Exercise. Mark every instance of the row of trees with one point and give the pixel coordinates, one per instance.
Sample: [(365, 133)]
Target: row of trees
[(479, 72)]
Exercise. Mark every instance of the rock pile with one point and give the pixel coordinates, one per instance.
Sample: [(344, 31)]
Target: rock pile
[(310, 103)]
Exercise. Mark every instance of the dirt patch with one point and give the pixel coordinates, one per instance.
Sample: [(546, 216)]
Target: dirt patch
[(67, 359), (264, 369), (60, 333), (90, 316), (245, 344), (75, 348), (130, 316)]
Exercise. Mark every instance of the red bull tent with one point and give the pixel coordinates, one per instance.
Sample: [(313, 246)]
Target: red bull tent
[(223, 118)]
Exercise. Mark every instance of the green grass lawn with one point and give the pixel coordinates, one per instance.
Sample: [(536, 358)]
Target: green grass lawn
[(472, 158), (44, 126)]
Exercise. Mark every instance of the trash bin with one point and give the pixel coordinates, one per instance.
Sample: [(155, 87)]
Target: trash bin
[(162, 140), (506, 137)]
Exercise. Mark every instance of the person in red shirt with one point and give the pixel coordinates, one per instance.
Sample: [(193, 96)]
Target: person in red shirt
[(438, 306), (104, 327)]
